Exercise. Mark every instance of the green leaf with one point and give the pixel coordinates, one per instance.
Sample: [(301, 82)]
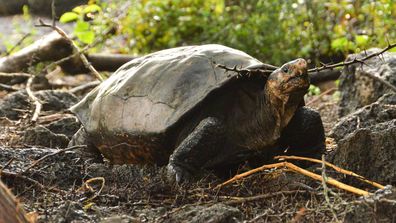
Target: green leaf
[(92, 8), (78, 9), (82, 26), (68, 17), (339, 43), (83, 32), (361, 40), (86, 37)]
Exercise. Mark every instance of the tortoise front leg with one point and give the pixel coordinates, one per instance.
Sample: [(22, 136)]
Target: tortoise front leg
[(304, 135), (202, 145)]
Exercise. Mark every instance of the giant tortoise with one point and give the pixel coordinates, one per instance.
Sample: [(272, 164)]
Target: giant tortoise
[(178, 107)]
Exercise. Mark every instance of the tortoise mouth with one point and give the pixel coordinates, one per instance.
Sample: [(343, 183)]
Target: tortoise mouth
[(296, 84)]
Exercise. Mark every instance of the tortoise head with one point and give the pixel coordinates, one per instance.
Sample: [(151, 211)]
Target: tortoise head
[(290, 79)]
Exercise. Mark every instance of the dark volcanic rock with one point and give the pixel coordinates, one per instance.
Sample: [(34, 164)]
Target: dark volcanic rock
[(380, 207), (41, 136), (67, 126), (366, 141), (12, 105), (358, 90), (218, 213)]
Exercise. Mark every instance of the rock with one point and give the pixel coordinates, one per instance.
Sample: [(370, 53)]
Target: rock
[(120, 219), (13, 105), (380, 207), (366, 141), (41, 136), (358, 90), (67, 126), (217, 213)]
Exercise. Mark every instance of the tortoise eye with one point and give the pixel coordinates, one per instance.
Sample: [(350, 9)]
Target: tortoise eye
[(285, 69)]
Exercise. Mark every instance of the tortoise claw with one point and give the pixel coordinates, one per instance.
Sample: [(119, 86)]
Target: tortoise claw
[(178, 174)]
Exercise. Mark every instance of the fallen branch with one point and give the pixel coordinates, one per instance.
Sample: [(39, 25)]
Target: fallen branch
[(336, 168), (13, 78), (35, 100), (35, 163), (297, 169), (75, 47), (355, 60)]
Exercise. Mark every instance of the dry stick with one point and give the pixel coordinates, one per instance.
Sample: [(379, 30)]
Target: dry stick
[(7, 164), (250, 172), (297, 170), (36, 101), (52, 154), (361, 61), (84, 87), (326, 189), (7, 87), (375, 77), (86, 185), (320, 96), (336, 168), (240, 200), (75, 47)]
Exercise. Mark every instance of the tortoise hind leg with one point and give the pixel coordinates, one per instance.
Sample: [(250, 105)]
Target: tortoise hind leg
[(203, 144), (304, 135), (90, 152)]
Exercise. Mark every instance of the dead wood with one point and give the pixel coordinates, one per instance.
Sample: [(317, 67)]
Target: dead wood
[(54, 47), (49, 48), (37, 104), (323, 76), (299, 170), (11, 211), (84, 87), (13, 78)]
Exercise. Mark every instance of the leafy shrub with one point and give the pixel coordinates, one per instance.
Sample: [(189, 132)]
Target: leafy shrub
[(273, 31)]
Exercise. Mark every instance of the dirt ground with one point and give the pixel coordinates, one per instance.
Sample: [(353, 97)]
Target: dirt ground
[(65, 188)]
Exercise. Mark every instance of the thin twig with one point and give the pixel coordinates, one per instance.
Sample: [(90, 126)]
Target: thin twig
[(18, 43), (35, 100), (8, 87), (86, 185), (300, 170), (75, 47), (240, 200), (356, 60), (320, 96), (326, 190), (7, 164), (50, 155), (377, 78), (84, 87), (336, 168)]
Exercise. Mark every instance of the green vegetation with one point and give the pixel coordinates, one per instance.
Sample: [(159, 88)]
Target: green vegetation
[(273, 31)]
